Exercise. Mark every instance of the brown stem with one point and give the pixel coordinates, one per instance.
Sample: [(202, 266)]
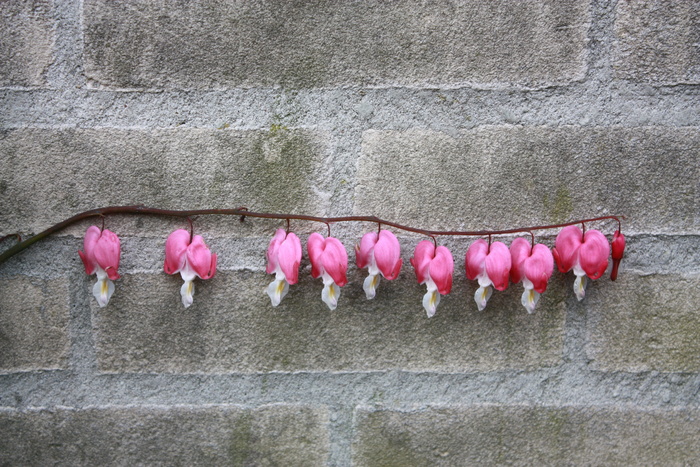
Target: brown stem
[(244, 212), (191, 228)]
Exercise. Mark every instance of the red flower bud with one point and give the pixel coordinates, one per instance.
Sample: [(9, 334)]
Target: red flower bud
[(618, 251)]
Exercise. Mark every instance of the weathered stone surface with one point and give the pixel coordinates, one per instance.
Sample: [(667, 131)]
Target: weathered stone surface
[(232, 327), (657, 41), (212, 435), (33, 323), (25, 42), (49, 175), (502, 177), (646, 323), (663, 254), (317, 44), (526, 435)]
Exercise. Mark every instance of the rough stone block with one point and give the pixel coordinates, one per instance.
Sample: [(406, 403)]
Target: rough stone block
[(49, 175), (212, 435), (33, 323), (657, 41), (505, 177), (646, 323), (232, 327), (25, 42), (210, 45), (526, 435)]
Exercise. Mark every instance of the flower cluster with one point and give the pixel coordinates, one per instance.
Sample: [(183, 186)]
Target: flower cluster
[(283, 259), (101, 257), (184, 253), (190, 257), (492, 265), (532, 264), (434, 267)]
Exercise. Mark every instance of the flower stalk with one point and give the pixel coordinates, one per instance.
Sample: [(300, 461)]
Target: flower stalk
[(243, 212)]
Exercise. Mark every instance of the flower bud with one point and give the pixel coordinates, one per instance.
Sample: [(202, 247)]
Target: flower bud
[(618, 251)]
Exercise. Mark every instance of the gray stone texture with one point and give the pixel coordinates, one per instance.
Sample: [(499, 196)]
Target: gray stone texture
[(232, 327), (210, 435), (465, 114), (26, 41), (646, 323), (213, 45), (49, 175), (657, 41), (33, 323), (488, 176), (526, 435)]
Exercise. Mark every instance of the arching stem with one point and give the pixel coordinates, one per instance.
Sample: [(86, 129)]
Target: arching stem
[(243, 212)]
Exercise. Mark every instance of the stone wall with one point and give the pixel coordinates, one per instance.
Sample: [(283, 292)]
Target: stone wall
[(441, 115)]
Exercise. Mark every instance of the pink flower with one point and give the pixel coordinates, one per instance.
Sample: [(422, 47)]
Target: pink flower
[(490, 266), (434, 267), (618, 251), (190, 258), (533, 266), (283, 259), (380, 254), (329, 260), (101, 257), (587, 254)]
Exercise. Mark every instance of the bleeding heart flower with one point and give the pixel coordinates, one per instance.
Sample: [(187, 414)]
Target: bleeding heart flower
[(191, 259), (618, 251), (532, 265), (587, 254), (380, 254), (283, 258), (101, 257), (490, 266), (329, 260), (434, 267)]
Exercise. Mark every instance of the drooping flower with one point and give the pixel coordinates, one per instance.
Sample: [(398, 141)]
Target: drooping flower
[(587, 254), (533, 266), (618, 251), (329, 261), (490, 266), (191, 258), (434, 267), (380, 254), (101, 257), (283, 259)]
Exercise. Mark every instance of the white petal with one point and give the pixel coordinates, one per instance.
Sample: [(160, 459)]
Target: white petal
[(372, 267), (370, 285), (101, 273), (103, 290), (482, 296), (430, 302), (430, 283), (580, 287), (277, 290), (330, 294), (187, 273), (187, 291), (530, 299), (484, 280)]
